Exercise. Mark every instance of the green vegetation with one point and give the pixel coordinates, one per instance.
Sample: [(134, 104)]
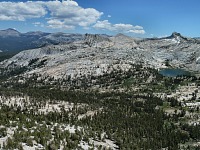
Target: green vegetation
[(6, 55), (133, 118)]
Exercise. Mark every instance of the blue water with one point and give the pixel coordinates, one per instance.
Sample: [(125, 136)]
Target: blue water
[(174, 72)]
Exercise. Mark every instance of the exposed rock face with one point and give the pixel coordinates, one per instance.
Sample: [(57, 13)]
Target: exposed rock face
[(96, 54), (180, 51)]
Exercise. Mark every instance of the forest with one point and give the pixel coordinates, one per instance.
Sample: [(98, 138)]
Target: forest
[(121, 108)]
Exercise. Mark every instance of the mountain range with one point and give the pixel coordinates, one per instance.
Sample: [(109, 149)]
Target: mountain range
[(60, 54), (13, 40)]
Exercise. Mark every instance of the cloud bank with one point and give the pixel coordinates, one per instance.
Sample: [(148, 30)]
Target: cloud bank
[(126, 28), (62, 15), (21, 11), (65, 14)]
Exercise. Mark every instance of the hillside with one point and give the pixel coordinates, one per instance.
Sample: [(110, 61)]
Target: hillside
[(94, 54), (101, 92)]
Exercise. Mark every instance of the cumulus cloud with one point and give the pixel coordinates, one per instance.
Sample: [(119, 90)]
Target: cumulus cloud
[(21, 11), (125, 28), (59, 24), (69, 14), (103, 25), (66, 14)]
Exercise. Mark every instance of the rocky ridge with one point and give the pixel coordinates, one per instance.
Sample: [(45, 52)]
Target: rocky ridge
[(94, 55)]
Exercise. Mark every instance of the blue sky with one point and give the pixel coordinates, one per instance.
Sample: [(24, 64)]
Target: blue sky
[(139, 18)]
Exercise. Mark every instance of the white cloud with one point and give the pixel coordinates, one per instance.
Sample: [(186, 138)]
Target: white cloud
[(66, 14), (69, 13), (138, 28), (62, 15), (122, 27), (21, 11), (38, 24), (103, 25), (58, 24), (137, 31), (125, 28)]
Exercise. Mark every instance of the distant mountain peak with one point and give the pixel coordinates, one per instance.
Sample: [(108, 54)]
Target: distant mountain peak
[(9, 32), (120, 35), (179, 37), (176, 34), (11, 29)]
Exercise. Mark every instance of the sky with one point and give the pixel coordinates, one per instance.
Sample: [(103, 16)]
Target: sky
[(137, 18)]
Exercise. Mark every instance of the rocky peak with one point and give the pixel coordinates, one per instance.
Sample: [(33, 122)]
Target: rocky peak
[(121, 36), (179, 36), (9, 32), (175, 35), (93, 39)]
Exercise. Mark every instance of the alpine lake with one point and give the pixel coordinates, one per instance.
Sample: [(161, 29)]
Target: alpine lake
[(174, 72)]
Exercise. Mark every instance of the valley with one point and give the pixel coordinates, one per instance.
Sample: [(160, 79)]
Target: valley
[(102, 92)]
